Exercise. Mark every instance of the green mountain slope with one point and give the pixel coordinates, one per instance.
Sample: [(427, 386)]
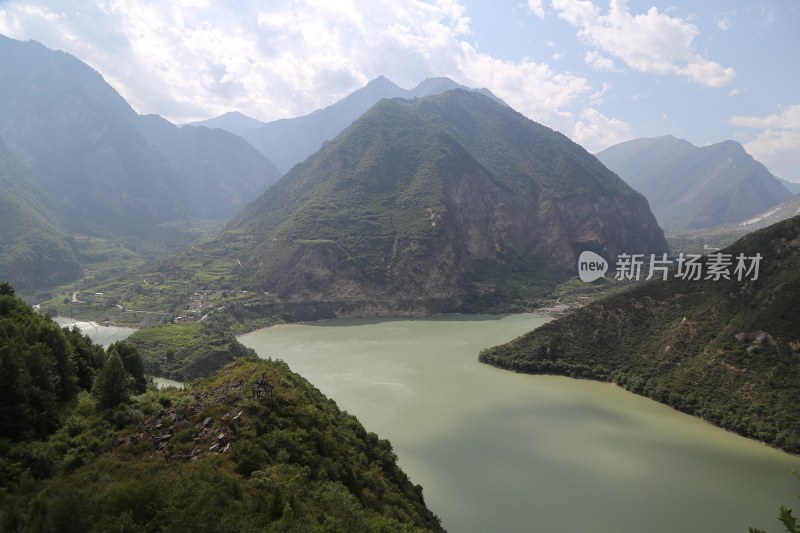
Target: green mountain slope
[(216, 172), (253, 448), (188, 350), (429, 205), (34, 249), (691, 187), (727, 351)]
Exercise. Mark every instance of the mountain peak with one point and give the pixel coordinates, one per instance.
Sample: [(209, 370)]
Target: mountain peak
[(233, 121), (382, 83), (407, 211), (287, 142), (431, 86)]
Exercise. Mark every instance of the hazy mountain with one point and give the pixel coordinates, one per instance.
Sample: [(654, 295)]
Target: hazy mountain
[(773, 215), (791, 186), (691, 187), (434, 86), (78, 138), (287, 142), (216, 172), (429, 205), (108, 169), (725, 350), (726, 234), (34, 249), (232, 121)]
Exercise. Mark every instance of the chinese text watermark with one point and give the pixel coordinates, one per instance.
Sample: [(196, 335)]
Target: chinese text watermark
[(718, 266)]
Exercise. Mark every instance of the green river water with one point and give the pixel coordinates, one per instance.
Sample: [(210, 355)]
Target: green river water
[(497, 451)]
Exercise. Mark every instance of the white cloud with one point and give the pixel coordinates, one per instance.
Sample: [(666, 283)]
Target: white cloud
[(536, 7), (724, 24), (598, 97), (190, 60), (779, 150), (778, 144), (598, 61), (734, 92), (595, 131), (533, 89), (788, 119), (651, 42)]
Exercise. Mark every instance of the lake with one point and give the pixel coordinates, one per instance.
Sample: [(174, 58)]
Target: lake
[(499, 451), (103, 335)]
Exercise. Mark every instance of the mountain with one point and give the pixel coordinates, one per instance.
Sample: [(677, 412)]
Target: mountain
[(691, 187), (727, 351), (78, 138), (782, 211), (428, 205), (108, 170), (254, 447), (726, 234), (34, 249), (434, 86), (232, 121), (792, 186), (216, 172), (287, 142)]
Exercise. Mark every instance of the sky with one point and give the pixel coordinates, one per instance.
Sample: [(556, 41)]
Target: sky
[(599, 71)]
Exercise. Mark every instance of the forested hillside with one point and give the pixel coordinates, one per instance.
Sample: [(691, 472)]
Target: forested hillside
[(727, 350), (87, 445)]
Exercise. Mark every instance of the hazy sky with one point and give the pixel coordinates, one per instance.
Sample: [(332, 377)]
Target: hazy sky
[(598, 71)]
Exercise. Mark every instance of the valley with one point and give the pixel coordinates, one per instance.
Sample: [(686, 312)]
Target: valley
[(193, 312)]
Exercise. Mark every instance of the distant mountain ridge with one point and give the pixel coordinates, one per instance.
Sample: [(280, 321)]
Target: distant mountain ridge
[(791, 186), (107, 169), (693, 187), (216, 172), (232, 121), (726, 234), (430, 205), (782, 211), (287, 142), (77, 137)]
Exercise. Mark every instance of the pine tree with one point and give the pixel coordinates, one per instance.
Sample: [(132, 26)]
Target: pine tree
[(132, 361), (6, 288), (112, 384)]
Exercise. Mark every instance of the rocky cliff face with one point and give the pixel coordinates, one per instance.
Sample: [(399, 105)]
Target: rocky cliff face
[(418, 208)]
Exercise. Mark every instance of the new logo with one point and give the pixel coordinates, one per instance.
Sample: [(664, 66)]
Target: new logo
[(591, 266)]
